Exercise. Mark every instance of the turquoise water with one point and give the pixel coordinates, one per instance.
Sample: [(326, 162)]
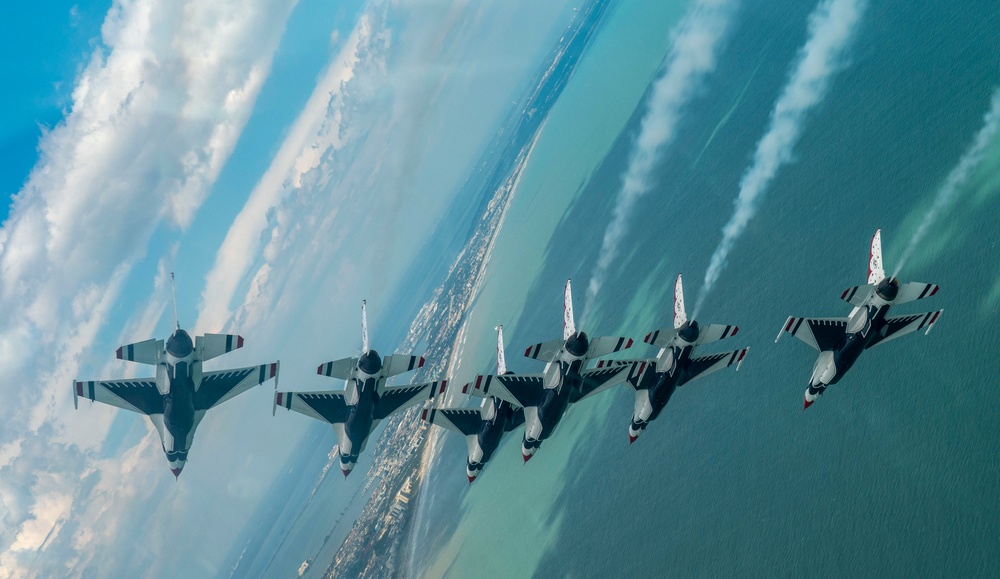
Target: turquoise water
[(893, 472)]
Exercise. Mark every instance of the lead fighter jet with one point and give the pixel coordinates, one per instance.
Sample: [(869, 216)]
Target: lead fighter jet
[(178, 397), (566, 380), (656, 379), (484, 427), (841, 341), (365, 400)]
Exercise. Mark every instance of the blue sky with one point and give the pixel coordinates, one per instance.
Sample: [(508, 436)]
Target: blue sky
[(50, 41), (283, 158)]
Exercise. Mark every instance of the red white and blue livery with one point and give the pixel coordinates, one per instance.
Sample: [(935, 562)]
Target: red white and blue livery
[(180, 394), (840, 341), (356, 411), (483, 427), (565, 381), (656, 379)]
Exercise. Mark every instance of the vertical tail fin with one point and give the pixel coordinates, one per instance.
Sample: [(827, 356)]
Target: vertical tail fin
[(569, 324), (680, 315), (173, 297), (875, 271), (364, 327), (501, 362)]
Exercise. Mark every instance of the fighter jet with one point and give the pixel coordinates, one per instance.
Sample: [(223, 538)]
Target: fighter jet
[(365, 400), (841, 340), (178, 397), (566, 379), (656, 379), (483, 428)]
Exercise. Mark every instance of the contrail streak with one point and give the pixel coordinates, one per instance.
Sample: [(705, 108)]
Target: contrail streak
[(958, 176), (831, 27), (697, 39)]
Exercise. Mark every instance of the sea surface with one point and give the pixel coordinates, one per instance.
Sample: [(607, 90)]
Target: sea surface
[(893, 473)]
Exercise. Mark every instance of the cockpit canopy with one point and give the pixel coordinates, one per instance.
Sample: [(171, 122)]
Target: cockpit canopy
[(179, 344), (370, 362), (887, 289), (578, 344), (689, 331)]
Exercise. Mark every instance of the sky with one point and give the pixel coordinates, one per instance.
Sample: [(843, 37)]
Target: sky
[(283, 158)]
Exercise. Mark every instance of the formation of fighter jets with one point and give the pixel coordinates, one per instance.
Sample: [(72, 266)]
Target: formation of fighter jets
[(180, 394)]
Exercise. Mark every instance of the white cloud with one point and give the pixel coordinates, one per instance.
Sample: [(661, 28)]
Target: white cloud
[(832, 26), (155, 114)]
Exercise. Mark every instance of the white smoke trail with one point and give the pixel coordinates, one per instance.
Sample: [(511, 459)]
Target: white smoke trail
[(831, 28), (696, 43), (969, 161)]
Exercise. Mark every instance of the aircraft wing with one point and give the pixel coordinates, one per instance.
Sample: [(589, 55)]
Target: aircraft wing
[(523, 390), (140, 395), (902, 325), (397, 398), (466, 421), (328, 406), (705, 365), (858, 294), (605, 345), (546, 351), (597, 380), (399, 363), (820, 333), (217, 387)]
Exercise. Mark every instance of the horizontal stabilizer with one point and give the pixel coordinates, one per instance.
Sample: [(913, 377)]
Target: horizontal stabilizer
[(605, 345), (660, 338), (546, 351), (902, 325), (145, 352), (820, 333), (400, 363), (213, 345), (714, 333), (338, 368), (913, 291), (857, 295)]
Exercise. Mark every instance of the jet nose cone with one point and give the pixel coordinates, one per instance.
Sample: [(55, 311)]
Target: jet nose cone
[(345, 471), (806, 403), (177, 472), (472, 477), (632, 438), (526, 457)]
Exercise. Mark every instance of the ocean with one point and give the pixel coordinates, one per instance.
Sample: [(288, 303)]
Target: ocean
[(893, 472)]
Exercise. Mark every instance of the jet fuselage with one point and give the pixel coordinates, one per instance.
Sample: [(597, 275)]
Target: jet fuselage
[(865, 325), (498, 419), (562, 380), (658, 383), (361, 396), (177, 385)]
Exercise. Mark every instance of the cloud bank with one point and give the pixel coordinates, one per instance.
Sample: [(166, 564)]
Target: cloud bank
[(697, 41), (832, 26)]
